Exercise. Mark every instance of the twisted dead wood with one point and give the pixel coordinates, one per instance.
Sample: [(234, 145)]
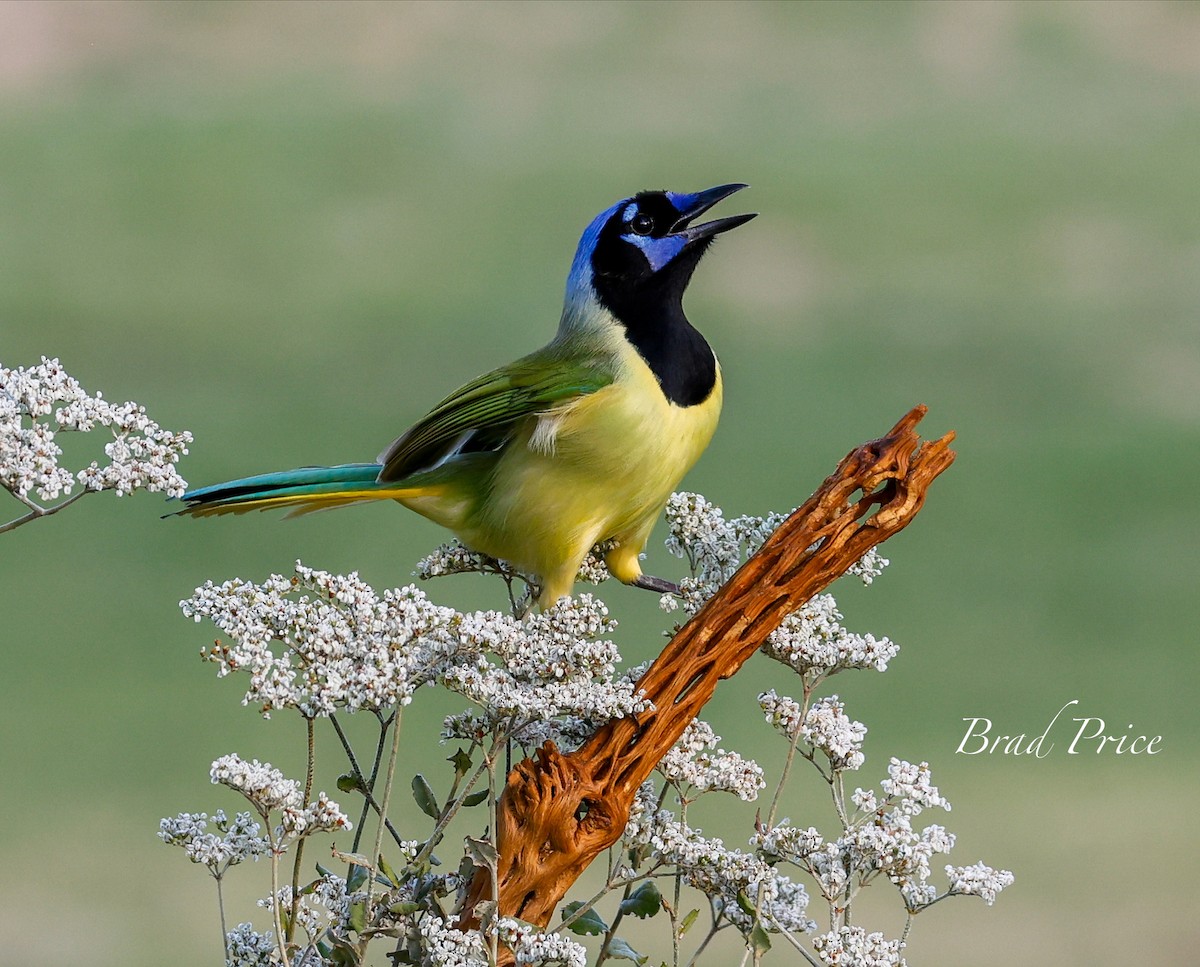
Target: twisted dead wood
[(558, 812)]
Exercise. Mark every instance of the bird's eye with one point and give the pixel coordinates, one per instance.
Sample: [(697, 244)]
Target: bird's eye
[(642, 224)]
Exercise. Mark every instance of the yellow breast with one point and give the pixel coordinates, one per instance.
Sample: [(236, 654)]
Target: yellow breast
[(600, 467)]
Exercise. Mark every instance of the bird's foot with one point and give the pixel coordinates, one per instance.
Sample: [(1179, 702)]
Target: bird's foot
[(651, 583)]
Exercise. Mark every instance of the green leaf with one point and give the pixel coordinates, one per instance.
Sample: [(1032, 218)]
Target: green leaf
[(358, 916), (405, 907), (323, 871), (643, 902), (356, 878), (481, 852), (386, 869), (423, 794), (589, 924), (746, 904), (620, 950), (476, 798), (759, 939), (348, 782), (461, 762), (686, 924)]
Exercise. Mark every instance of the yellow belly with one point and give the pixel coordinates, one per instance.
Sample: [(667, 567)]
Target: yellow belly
[(599, 468)]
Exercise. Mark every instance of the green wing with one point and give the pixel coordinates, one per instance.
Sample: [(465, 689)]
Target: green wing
[(483, 414)]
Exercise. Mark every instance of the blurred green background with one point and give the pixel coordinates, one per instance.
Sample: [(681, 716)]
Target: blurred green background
[(291, 228)]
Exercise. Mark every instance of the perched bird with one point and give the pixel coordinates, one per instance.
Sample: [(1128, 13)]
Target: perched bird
[(577, 443)]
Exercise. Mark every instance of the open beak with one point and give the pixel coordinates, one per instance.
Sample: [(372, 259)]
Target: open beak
[(693, 206)]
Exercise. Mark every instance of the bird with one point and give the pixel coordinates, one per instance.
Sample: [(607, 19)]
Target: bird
[(577, 444)]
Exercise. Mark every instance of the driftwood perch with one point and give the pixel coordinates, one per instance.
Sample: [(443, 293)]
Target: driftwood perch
[(558, 812)]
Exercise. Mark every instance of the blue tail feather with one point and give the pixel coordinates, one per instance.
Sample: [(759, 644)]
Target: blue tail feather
[(304, 480)]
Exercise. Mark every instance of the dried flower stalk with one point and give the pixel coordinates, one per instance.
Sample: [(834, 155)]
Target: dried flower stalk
[(558, 812)]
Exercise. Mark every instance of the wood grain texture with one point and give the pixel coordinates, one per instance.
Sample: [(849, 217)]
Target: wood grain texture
[(559, 811)]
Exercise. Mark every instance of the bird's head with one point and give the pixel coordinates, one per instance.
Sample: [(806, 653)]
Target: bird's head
[(642, 252)]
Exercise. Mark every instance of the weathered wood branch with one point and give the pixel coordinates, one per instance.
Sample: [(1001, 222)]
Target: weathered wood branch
[(558, 812)]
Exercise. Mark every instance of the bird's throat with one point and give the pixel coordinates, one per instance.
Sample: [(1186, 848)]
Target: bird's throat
[(655, 325)]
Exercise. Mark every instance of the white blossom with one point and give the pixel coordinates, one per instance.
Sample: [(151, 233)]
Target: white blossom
[(813, 640), (828, 728), (247, 948), (545, 665), (785, 714), (868, 567), (978, 880), (532, 947), (261, 783), (854, 947), (322, 816), (141, 455), (319, 641), (909, 785), (720, 873), (232, 843), (444, 946), (784, 841), (696, 762)]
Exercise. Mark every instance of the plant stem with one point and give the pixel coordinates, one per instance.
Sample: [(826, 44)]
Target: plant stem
[(365, 785), (37, 510), (612, 930), (387, 796), (221, 908), (494, 941), (771, 813), (308, 784), (794, 942), (712, 932), (279, 937)]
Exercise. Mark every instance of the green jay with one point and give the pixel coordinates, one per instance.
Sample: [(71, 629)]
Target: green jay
[(578, 443)]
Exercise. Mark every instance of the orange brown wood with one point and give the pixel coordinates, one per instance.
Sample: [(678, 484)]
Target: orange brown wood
[(558, 812)]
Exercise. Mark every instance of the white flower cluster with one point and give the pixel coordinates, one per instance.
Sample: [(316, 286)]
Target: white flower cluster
[(713, 546), (247, 948), (785, 714), (593, 570), (720, 873), (827, 727), (342, 645), (813, 642), (454, 557), (269, 790), (910, 787), (308, 919), (854, 947), (692, 762), (444, 946), (141, 456), (322, 907), (532, 947), (265, 786), (232, 843), (881, 840), (545, 665), (978, 880), (888, 845), (868, 567)]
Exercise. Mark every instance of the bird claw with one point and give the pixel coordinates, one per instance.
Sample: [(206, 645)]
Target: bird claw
[(651, 583)]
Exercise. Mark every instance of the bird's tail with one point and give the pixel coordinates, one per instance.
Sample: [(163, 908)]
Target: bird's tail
[(303, 491)]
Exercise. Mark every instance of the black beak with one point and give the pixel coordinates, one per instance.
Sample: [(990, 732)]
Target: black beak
[(693, 206)]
